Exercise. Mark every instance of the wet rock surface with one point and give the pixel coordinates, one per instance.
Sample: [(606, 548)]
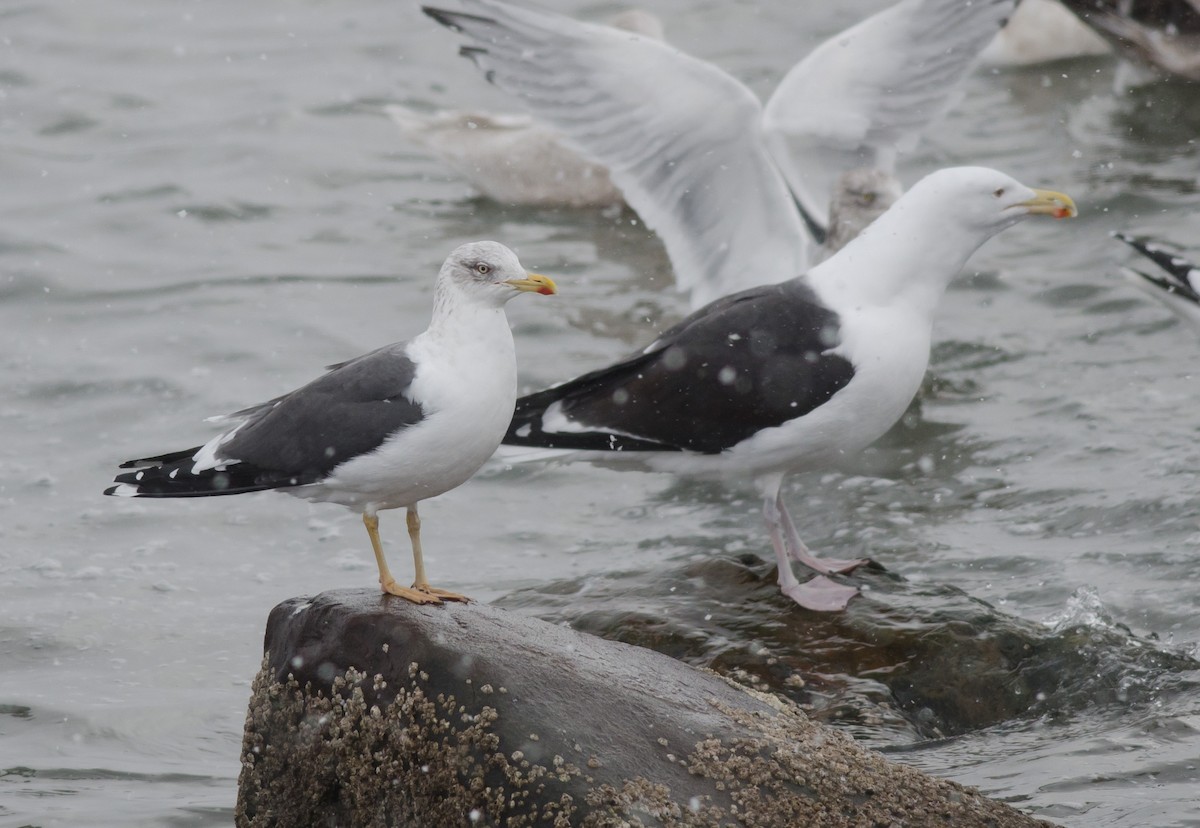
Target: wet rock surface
[(906, 662), (371, 711)]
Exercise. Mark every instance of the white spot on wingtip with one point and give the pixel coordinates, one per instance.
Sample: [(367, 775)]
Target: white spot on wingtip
[(124, 490)]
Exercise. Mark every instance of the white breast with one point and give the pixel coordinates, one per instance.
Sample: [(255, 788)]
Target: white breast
[(466, 383)]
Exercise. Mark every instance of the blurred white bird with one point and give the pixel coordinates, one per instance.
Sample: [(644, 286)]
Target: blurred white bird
[(1161, 37), (513, 159), (1040, 31)]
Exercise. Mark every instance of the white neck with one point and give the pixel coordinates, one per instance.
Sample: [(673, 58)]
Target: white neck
[(904, 260), (453, 307)]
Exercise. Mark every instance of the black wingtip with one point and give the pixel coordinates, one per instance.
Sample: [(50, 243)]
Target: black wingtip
[(1179, 272), (473, 53), (1180, 268), (450, 19), (160, 459), (1157, 281), (443, 16)]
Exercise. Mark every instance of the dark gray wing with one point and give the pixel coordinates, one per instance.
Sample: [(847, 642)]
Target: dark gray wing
[(750, 361), (347, 412), (294, 439)]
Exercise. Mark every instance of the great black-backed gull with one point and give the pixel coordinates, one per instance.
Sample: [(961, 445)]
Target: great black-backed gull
[(706, 166), (793, 375), (391, 428)]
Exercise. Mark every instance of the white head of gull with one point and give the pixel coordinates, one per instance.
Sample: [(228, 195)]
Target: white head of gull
[(793, 375), (386, 430)]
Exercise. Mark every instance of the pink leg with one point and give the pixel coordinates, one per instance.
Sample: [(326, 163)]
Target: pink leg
[(818, 593), (801, 554)]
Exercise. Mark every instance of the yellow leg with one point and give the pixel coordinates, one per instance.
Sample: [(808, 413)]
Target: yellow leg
[(414, 536), (422, 583), (371, 521)]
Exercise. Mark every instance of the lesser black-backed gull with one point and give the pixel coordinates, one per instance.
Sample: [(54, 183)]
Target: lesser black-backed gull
[(793, 375), (706, 166), (389, 429)]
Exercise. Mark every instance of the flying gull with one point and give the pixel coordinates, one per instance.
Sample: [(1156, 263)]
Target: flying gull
[(695, 153), (793, 375), (1177, 287), (388, 429)]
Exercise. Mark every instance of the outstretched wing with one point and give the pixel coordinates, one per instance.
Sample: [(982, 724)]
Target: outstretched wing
[(681, 138), (865, 94), (751, 361)]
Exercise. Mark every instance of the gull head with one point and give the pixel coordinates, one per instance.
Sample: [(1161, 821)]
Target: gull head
[(908, 255), (986, 201), (488, 272)]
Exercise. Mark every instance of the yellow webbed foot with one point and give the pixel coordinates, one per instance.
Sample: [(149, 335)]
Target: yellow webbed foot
[(417, 596), (443, 594)]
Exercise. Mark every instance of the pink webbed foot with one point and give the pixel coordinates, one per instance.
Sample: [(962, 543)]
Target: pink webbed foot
[(820, 594)]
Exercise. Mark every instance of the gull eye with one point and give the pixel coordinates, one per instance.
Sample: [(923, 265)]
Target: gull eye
[(483, 268), (868, 198), (999, 193)]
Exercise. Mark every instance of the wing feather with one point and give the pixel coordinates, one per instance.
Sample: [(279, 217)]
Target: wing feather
[(865, 94), (753, 360), (294, 439), (681, 138)]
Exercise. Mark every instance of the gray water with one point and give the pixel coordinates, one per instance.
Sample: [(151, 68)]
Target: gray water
[(200, 205)]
